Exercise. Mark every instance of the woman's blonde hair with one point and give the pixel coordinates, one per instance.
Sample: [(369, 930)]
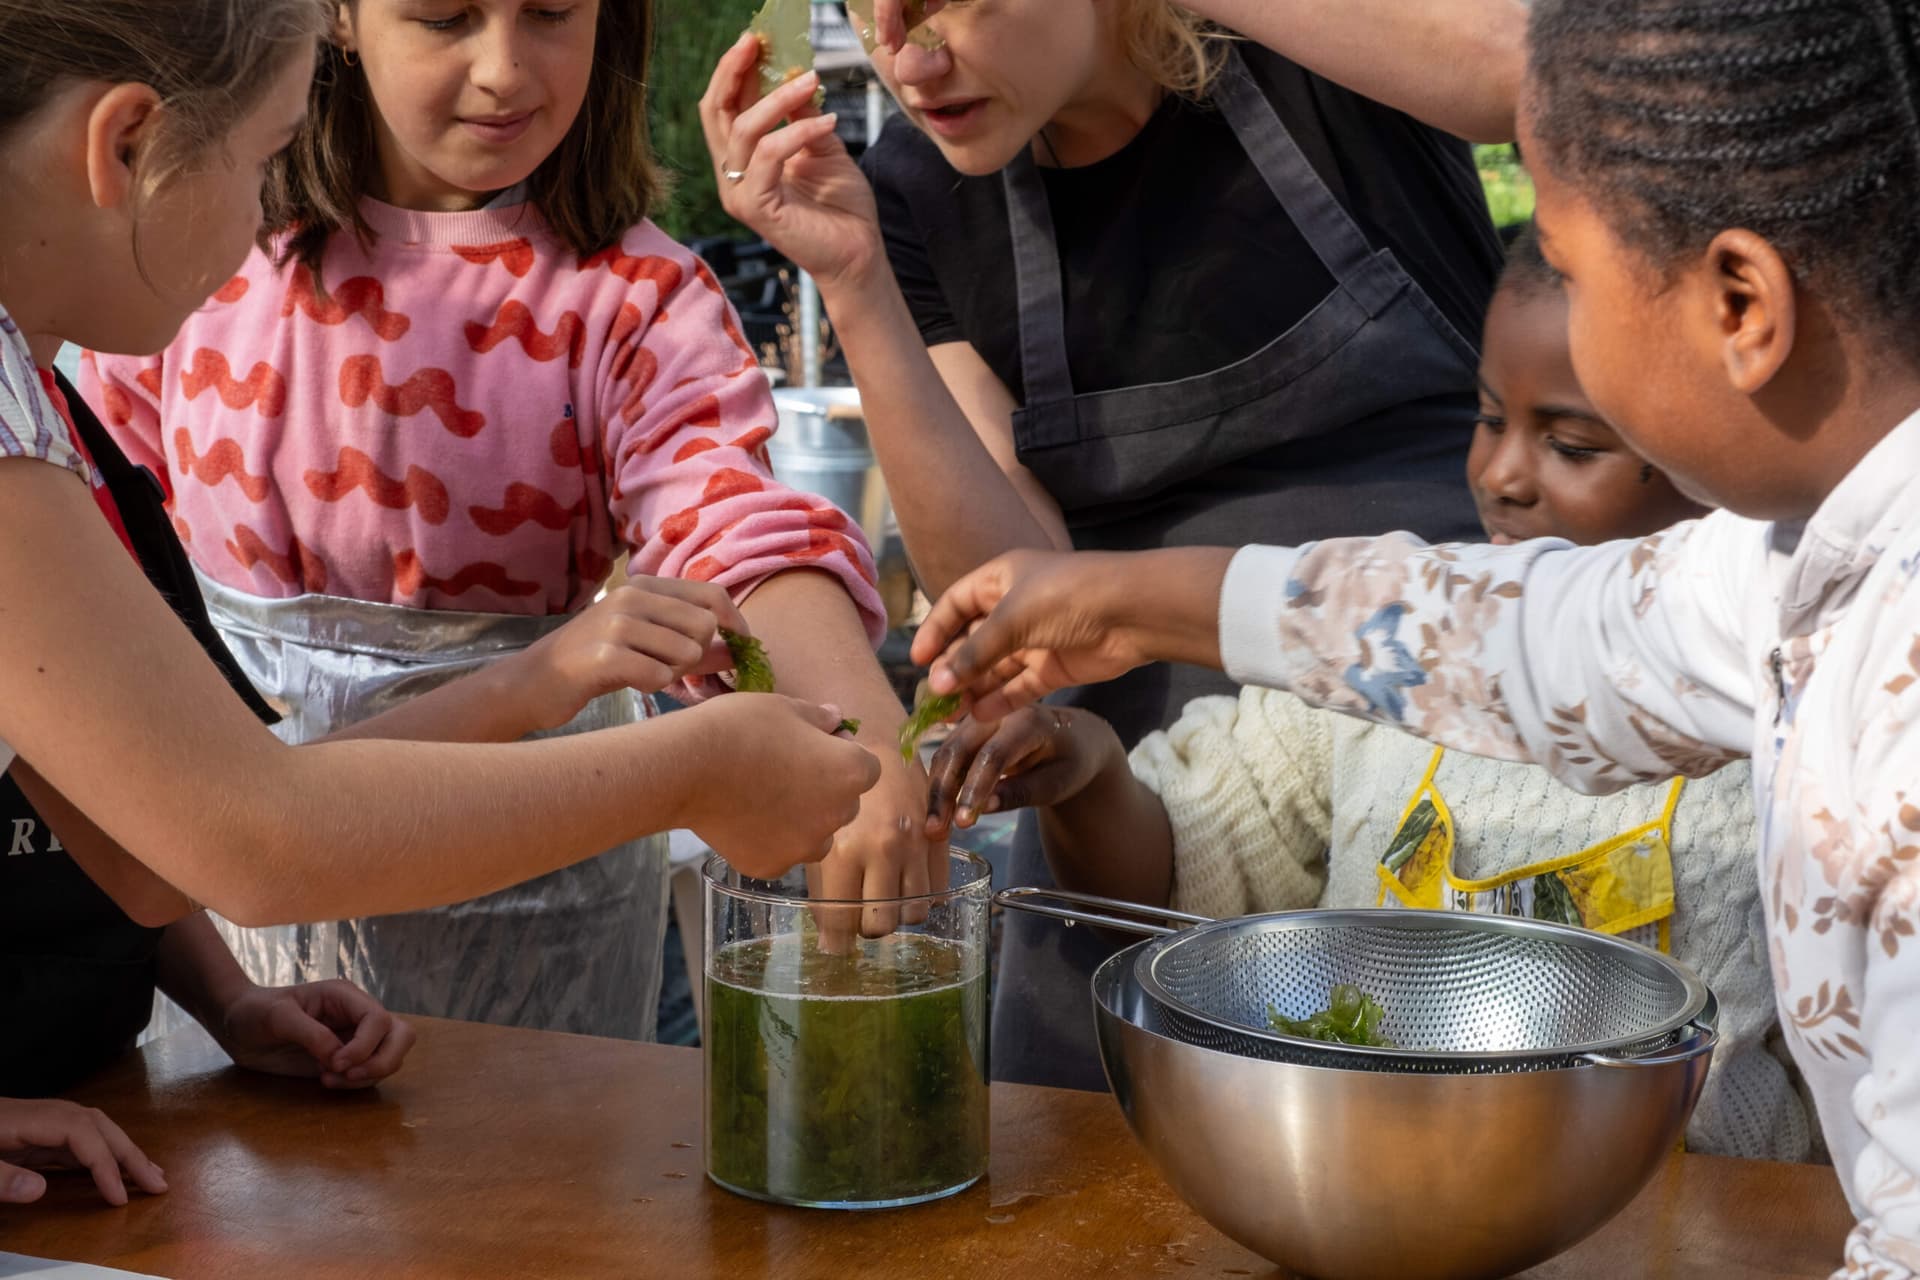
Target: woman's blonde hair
[(1179, 50), (600, 180), (210, 61)]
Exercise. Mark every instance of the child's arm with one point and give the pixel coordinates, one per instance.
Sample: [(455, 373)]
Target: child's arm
[(1608, 664), (686, 416), (330, 1030), (644, 635), (105, 692)]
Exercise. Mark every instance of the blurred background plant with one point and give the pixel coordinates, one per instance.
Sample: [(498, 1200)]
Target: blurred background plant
[(689, 37), (1509, 189)]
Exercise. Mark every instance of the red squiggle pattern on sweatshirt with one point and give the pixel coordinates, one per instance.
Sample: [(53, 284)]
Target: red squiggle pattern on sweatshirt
[(357, 472), (411, 578), (361, 296), (362, 379), (516, 256), (516, 321), (665, 273), (524, 502), (222, 459), (298, 567), (264, 389)]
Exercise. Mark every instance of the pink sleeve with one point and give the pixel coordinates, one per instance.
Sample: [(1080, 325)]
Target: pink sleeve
[(687, 417), (124, 393)]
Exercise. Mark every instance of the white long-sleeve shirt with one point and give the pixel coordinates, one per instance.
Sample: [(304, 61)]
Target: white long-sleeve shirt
[(1798, 645)]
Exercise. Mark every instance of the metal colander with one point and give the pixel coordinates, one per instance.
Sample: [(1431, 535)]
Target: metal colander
[(1463, 993)]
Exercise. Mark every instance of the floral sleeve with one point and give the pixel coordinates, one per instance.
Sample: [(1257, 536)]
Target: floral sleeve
[(1866, 1007), (1609, 665)]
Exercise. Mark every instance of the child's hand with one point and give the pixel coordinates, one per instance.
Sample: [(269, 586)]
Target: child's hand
[(1030, 623), (50, 1134), (332, 1030), (646, 634), (775, 781), (1036, 757), (882, 854)]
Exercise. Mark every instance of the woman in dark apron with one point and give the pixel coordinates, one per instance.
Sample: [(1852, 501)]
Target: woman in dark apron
[(1316, 383)]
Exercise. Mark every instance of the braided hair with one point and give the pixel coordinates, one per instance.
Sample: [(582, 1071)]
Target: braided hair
[(1794, 119)]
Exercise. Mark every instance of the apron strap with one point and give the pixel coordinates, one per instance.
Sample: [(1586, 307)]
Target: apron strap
[(1325, 224), (1336, 239), (1041, 292)]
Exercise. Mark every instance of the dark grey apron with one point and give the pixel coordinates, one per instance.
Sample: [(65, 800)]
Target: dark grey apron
[(1354, 421)]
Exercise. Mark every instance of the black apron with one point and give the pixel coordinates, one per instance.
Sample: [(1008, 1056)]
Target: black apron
[(76, 975), (1354, 421)]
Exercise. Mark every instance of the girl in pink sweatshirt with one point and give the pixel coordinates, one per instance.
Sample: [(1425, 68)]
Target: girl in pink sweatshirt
[(415, 433)]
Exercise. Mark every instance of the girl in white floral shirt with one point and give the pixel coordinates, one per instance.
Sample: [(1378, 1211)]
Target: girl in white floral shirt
[(1727, 188)]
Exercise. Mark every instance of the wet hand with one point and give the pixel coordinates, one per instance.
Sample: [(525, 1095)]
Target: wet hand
[(884, 853), (1035, 757), (330, 1030), (645, 634), (47, 1133)]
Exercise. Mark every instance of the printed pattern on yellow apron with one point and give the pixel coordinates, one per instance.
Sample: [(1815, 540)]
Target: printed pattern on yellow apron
[(1621, 886)]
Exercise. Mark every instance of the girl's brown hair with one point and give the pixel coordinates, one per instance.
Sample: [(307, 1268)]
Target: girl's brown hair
[(1179, 50), (209, 60), (598, 182)]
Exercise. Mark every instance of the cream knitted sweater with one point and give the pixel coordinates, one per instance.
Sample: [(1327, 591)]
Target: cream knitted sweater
[(1276, 806)]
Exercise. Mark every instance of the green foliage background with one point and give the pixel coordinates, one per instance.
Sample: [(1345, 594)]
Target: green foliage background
[(689, 37), (1509, 189)]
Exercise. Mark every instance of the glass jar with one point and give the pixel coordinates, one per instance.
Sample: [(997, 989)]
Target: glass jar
[(851, 1078)]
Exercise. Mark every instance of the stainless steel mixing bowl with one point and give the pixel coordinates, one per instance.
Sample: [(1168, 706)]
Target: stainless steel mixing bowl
[(1358, 1174)]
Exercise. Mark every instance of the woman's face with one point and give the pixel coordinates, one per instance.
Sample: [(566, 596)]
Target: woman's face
[(1544, 464), (1006, 69)]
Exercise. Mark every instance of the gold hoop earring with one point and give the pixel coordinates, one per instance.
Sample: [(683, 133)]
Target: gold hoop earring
[(349, 56)]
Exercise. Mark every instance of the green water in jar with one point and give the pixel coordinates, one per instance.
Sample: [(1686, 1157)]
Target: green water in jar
[(846, 1081)]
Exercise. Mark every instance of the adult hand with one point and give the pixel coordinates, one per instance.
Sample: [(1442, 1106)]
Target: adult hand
[(796, 185), (330, 1030), (46, 1133)]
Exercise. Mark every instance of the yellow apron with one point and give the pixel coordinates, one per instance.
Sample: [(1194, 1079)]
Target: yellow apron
[(1621, 886)]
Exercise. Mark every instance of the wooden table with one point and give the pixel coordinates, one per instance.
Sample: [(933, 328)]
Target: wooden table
[(515, 1153)]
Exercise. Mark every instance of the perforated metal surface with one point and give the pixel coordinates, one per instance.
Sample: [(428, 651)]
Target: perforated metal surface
[(1462, 993)]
